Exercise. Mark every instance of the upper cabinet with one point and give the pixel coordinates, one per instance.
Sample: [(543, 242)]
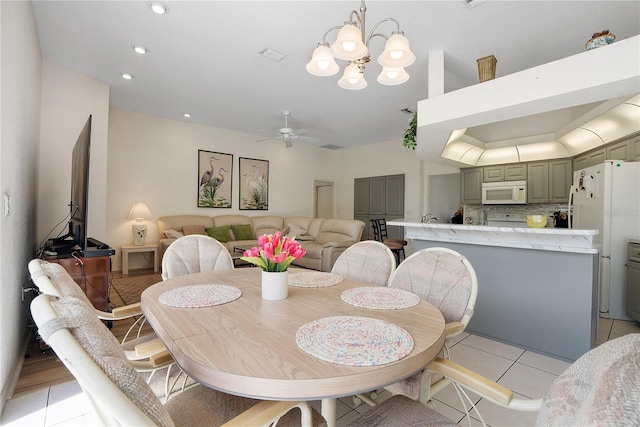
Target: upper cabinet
[(471, 183), (509, 172), (549, 181), (627, 150)]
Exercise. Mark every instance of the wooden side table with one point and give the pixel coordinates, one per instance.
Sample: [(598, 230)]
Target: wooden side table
[(127, 249)]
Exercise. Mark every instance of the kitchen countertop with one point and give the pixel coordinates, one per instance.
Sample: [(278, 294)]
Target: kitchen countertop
[(547, 239)]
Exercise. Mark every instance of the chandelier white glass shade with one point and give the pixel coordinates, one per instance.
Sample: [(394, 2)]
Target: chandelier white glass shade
[(351, 45)]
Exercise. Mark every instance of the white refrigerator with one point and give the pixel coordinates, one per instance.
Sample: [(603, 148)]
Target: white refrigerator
[(606, 197)]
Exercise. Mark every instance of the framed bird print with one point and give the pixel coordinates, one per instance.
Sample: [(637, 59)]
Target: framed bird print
[(254, 184), (214, 179)]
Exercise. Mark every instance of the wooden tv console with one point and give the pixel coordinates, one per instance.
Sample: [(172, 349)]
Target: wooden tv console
[(91, 274)]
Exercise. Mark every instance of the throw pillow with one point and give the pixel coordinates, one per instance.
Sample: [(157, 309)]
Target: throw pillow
[(173, 233), (243, 232), (194, 229), (221, 234), (294, 230)]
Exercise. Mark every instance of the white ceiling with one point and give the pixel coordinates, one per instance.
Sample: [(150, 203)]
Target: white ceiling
[(203, 57)]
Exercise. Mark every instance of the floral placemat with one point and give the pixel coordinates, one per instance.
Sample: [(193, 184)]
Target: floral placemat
[(354, 341), (316, 279), (198, 296), (380, 298)]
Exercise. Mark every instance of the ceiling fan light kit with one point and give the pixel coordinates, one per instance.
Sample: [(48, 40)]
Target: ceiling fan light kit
[(352, 45), (287, 135)]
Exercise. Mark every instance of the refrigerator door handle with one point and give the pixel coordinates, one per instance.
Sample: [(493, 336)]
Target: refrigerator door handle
[(569, 206)]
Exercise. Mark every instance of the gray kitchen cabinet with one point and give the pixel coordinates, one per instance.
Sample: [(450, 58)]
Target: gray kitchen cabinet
[(560, 179), (509, 172), (596, 157), (538, 182), (580, 162), (549, 181), (633, 280), (515, 172), (634, 143), (493, 173), (379, 197), (471, 185), (361, 196), (619, 151)]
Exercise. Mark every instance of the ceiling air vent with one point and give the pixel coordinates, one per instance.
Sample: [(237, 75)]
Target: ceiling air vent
[(473, 3), (272, 54)]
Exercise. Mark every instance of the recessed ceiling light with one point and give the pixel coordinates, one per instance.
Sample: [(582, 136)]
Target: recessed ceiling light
[(140, 49), (158, 7), (127, 76), (187, 115)]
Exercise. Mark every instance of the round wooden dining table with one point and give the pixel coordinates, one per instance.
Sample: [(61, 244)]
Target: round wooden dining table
[(247, 347)]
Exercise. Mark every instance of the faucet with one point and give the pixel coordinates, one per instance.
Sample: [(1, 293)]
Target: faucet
[(427, 218)]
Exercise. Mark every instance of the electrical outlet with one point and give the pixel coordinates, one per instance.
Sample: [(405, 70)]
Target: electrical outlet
[(7, 205)]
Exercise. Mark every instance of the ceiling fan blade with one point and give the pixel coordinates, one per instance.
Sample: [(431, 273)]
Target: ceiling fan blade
[(267, 139), (300, 131)]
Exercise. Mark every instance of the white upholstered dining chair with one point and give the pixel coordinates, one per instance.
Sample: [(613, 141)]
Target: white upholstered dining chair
[(195, 253), (146, 351), (447, 280), (366, 261), (601, 388), (118, 393)]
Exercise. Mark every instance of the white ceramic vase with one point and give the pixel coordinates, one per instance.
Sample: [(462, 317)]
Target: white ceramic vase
[(275, 285)]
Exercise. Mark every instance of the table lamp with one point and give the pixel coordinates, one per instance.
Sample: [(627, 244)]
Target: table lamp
[(139, 212)]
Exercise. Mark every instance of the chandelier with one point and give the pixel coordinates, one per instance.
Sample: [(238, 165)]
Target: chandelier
[(351, 45)]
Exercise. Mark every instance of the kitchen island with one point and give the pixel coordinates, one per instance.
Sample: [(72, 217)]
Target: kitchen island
[(537, 287)]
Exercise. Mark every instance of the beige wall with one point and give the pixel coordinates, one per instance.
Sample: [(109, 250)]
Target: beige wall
[(19, 124), (68, 98), (154, 160)]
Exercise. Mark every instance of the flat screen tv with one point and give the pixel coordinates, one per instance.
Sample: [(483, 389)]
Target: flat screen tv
[(80, 186), (76, 238)]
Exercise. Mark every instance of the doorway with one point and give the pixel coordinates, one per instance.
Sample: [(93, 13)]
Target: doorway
[(323, 199)]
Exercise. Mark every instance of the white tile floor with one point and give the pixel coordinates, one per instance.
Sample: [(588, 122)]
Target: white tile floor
[(527, 373)]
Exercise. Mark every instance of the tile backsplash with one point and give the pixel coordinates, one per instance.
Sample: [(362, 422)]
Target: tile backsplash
[(473, 211)]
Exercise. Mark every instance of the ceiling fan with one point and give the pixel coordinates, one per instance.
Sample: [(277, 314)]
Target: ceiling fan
[(288, 135)]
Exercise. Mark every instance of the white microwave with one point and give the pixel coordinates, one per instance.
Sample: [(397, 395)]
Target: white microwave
[(504, 193)]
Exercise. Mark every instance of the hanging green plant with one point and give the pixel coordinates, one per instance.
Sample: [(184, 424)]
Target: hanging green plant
[(410, 133)]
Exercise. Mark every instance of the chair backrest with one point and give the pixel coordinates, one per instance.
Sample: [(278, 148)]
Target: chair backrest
[(93, 355), (194, 254), (443, 277), (602, 388), (375, 225), (367, 261), (51, 278)]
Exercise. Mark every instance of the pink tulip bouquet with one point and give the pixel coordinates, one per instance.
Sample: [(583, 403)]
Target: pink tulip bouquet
[(274, 253)]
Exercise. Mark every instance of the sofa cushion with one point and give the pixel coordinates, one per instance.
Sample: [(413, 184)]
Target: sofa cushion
[(194, 229), (294, 230), (267, 224), (176, 222), (173, 233), (243, 232), (221, 233)]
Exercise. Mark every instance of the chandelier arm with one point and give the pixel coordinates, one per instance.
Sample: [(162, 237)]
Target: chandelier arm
[(324, 38), (375, 27)]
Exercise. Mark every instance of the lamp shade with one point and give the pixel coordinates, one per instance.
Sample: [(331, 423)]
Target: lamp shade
[(322, 62), (392, 76), (140, 211), (352, 78), (396, 52), (349, 45)]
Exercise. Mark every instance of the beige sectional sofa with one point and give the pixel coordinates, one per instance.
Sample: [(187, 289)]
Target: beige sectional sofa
[(323, 239)]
